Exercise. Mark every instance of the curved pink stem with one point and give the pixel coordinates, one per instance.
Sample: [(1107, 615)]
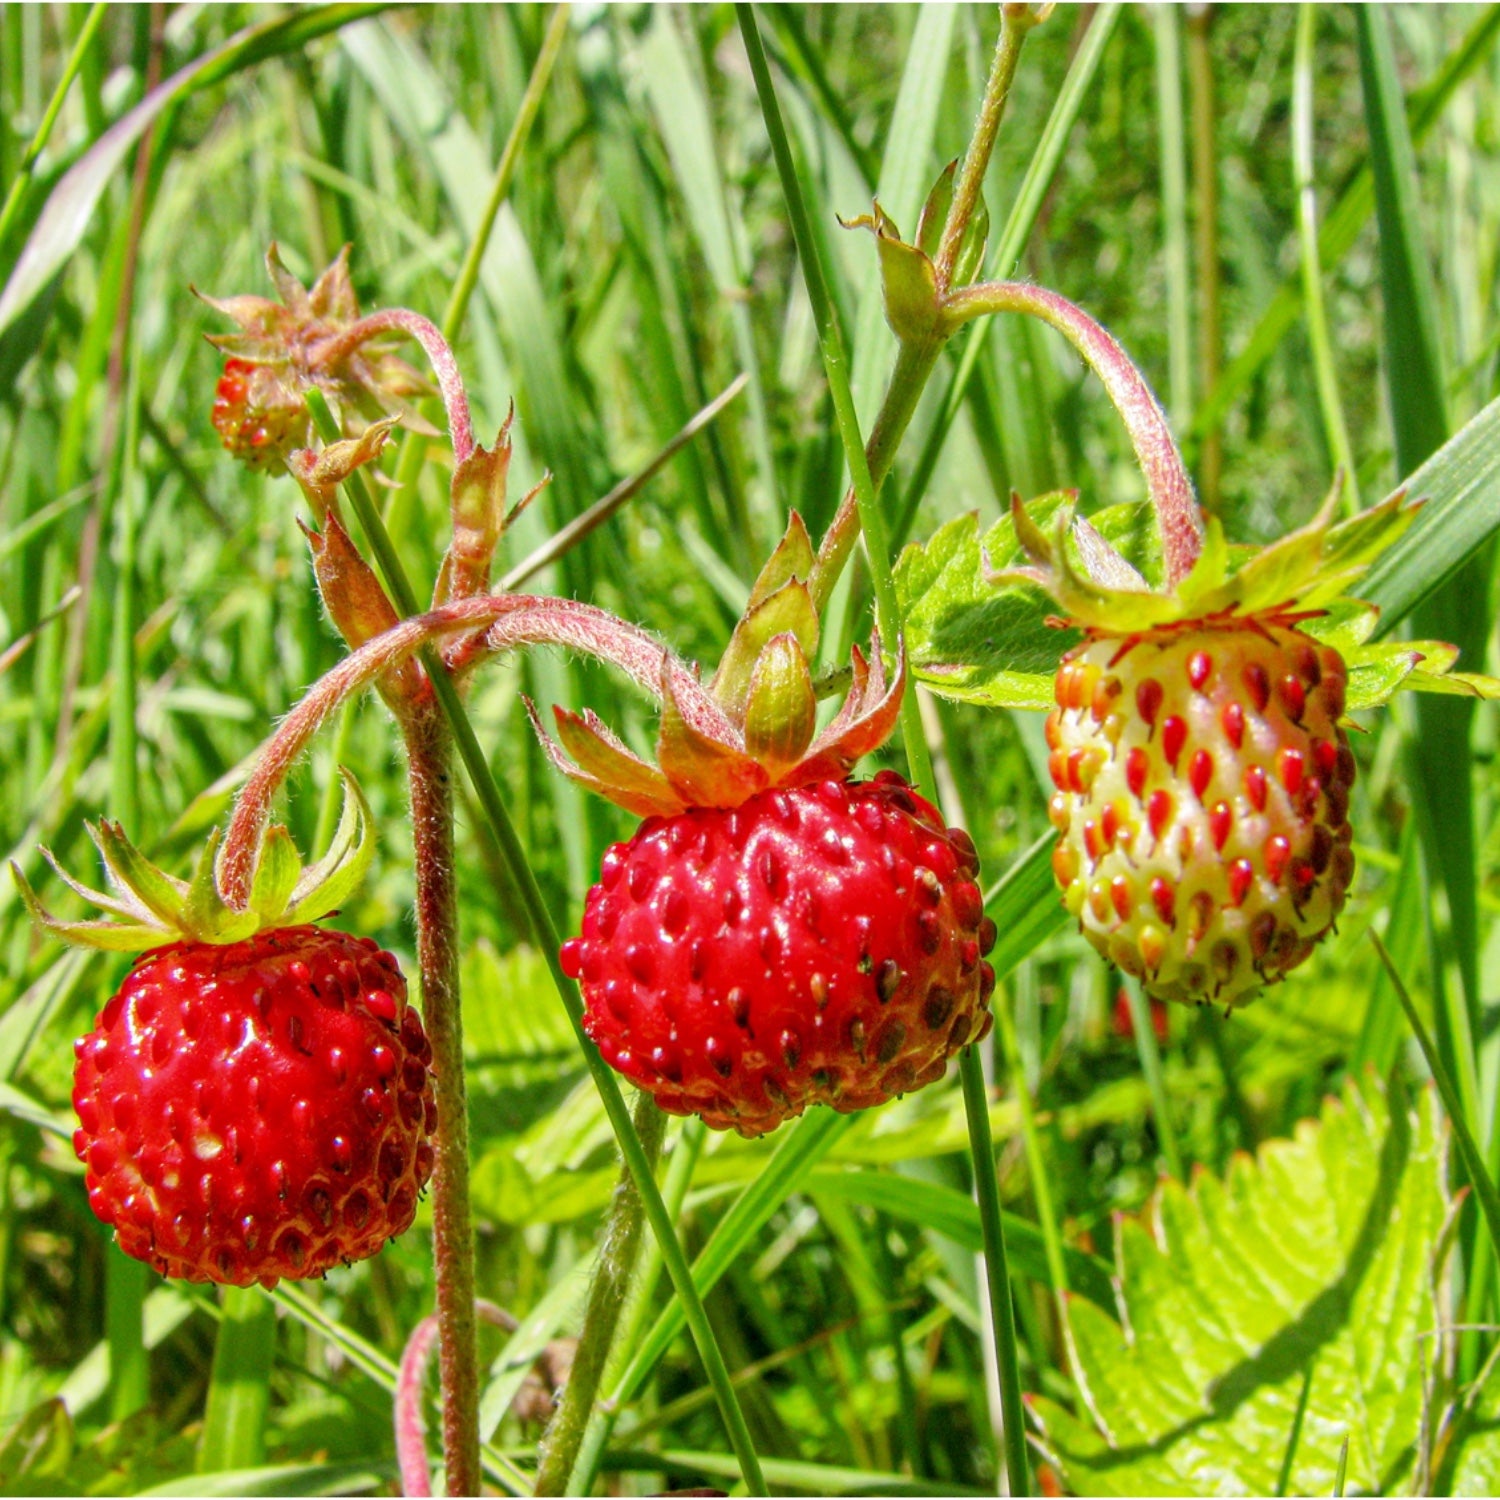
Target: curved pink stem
[(1177, 513), (411, 1427), (444, 366), (509, 621)]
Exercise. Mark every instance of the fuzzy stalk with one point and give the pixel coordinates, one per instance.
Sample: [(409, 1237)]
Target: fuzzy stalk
[(411, 1429), (429, 751), (1015, 21), (509, 621), (1167, 481), (434, 345), (618, 1259)]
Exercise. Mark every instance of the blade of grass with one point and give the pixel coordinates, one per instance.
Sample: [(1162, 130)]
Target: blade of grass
[(680, 1166), (1284, 1478), (1406, 938), (1041, 172), (683, 117), (798, 1152), (814, 1479), (1025, 906), (414, 445), (1336, 430), (1463, 1137), (1036, 1162), (22, 179), (1167, 21), (340, 1478), (945, 1211), (125, 1296), (1150, 1055), (239, 1384), (1345, 221), (888, 616), (1439, 760), (627, 489), (71, 203)]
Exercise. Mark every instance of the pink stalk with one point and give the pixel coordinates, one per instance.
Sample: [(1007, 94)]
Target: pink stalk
[(444, 366), (512, 620), (1171, 490), (411, 1427)]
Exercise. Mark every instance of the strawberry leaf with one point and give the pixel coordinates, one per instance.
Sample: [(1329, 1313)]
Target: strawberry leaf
[(1309, 1266), (976, 642)]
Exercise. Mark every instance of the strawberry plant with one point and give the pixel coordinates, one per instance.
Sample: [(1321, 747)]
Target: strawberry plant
[(1045, 1046)]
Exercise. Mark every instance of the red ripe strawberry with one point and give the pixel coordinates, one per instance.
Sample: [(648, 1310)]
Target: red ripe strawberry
[(820, 944), (774, 936), (256, 1101), (257, 1109), (1203, 801)]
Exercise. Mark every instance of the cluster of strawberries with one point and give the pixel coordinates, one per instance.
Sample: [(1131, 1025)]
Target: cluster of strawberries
[(257, 1100)]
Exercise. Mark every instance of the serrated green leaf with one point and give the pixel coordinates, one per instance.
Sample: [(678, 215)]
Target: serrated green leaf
[(1312, 1256), (976, 642)]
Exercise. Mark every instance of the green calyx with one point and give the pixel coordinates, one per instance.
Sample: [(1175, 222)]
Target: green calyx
[(754, 727), (154, 908), (1305, 575), (1304, 571)]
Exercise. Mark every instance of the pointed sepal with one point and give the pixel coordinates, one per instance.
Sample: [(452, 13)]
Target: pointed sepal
[(158, 909), (793, 558), (781, 707), (704, 769), (866, 719), (908, 281), (788, 611), (602, 764), (478, 509)]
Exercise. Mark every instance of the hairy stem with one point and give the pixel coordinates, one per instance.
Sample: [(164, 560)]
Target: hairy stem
[(618, 1260), (1171, 490), (509, 620), (429, 750), (912, 372), (1015, 22), (444, 366), (411, 1429), (916, 359)]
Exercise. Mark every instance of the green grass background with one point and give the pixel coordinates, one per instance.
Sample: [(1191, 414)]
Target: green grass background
[(157, 616)]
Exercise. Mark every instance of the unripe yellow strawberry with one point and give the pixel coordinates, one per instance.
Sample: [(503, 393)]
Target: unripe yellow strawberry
[(1202, 800)]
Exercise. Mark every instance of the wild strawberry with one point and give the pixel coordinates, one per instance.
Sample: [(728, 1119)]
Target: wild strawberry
[(258, 1109), (815, 945), (256, 1100), (774, 936), (311, 337), (1203, 774), (256, 417), (1202, 801)]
